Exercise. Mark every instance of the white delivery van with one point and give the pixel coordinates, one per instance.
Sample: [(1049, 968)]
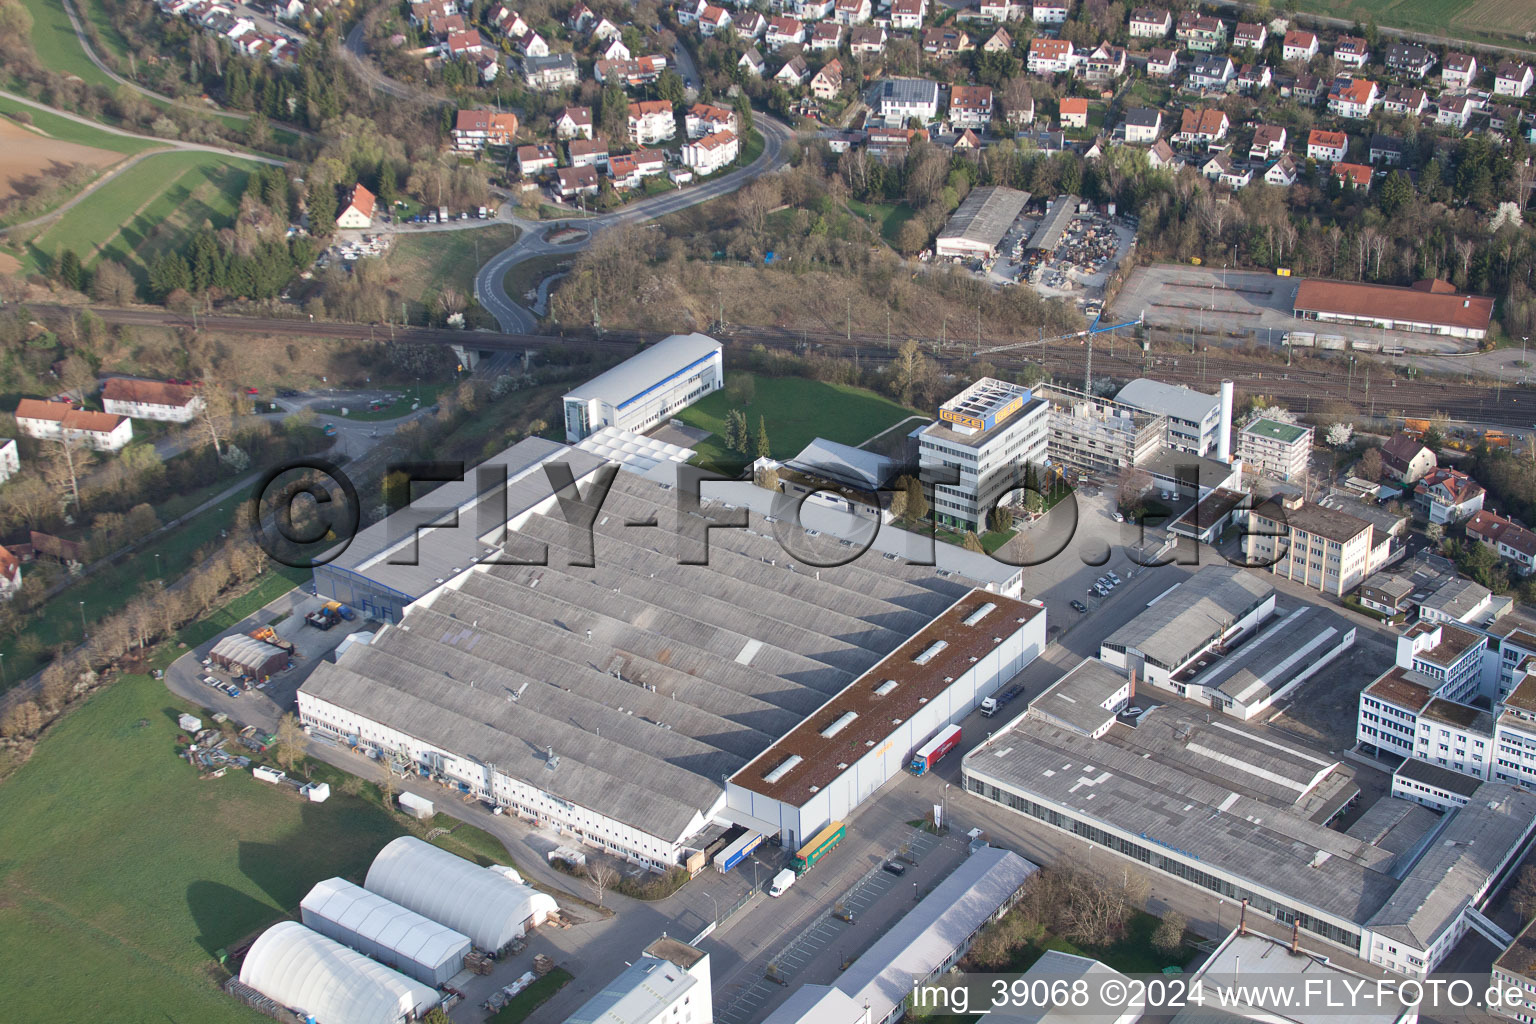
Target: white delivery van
[(781, 882)]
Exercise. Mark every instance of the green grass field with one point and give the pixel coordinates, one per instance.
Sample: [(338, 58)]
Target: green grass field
[(122, 873), (56, 45), (887, 217), (795, 411), (425, 263), (64, 129), (149, 209), (1503, 22), (531, 998)]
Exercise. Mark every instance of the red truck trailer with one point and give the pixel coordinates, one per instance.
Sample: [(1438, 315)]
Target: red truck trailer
[(929, 753)]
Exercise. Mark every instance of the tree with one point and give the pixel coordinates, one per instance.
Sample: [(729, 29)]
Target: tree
[(917, 501), (1435, 532), (291, 740), (1169, 936), (66, 459), (763, 449), (1396, 193), (601, 876), (767, 478), (1340, 434), (973, 543), (68, 271), (25, 719), (1000, 519), (1522, 897), (218, 409), (670, 87), (387, 791), (1369, 467), (113, 284), (741, 388)]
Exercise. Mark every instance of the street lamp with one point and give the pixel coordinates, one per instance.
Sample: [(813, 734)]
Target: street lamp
[(82, 619), (1221, 906), (714, 903)]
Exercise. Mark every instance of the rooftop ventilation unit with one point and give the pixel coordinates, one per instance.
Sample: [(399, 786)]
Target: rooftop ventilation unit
[(785, 767), (839, 724), (979, 614), (927, 655)]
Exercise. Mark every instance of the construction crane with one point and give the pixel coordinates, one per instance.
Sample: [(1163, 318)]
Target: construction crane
[(1093, 328)]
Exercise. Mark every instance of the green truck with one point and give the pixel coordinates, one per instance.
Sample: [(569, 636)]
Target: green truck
[(813, 851)]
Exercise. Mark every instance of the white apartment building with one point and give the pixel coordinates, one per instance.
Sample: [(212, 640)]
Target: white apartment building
[(151, 400), (712, 152), (904, 98), (1275, 449), (1322, 548), (60, 421), (650, 122), (10, 459), (1194, 418), (1418, 708), (979, 448)]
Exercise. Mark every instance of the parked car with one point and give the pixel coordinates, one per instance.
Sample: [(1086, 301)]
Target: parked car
[(1079, 606), (233, 691), (895, 867), (1113, 577), (253, 391), (1117, 517), (211, 681)]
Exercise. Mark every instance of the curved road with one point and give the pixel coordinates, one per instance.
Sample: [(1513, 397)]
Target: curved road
[(201, 108), (357, 56), (490, 282)]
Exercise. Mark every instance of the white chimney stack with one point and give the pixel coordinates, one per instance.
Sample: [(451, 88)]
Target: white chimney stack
[(1224, 439)]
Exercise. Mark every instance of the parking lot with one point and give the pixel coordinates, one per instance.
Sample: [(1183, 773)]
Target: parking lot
[(1255, 304)]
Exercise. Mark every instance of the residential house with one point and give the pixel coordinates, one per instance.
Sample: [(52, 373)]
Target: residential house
[(10, 459), (1143, 125), (852, 12), (813, 10), (1282, 172), (1105, 64), (793, 74), (1386, 150), (967, 142), (578, 20), (591, 152), (1221, 168), (1162, 62), (1201, 32), (605, 30), (752, 62), (749, 24), (576, 181), (1150, 23), (466, 44), (1409, 59), (546, 74), (536, 159), (688, 11), (1354, 176), (441, 26), (1254, 78), (473, 130), (1202, 126), (1326, 147), (970, 106), (827, 83), (615, 50), (1458, 71), (1023, 113), (1406, 458), (531, 44), (649, 162), (1298, 45), (1268, 142), (1249, 36), (630, 73), (703, 119), (944, 42), (1506, 538), (573, 122), (1353, 97), (1454, 111), (1161, 155), (826, 35), (1050, 56), (1405, 100), (995, 12), (10, 574), (901, 99), (867, 39), (1513, 78), (61, 421), (1352, 51), (1448, 496), (1212, 71), (998, 42), (623, 171), (1074, 112), (1049, 12), (712, 152), (713, 20), (1308, 89), (650, 122), (908, 14), (357, 209), (784, 32), (889, 145), (1504, 117), (147, 400)]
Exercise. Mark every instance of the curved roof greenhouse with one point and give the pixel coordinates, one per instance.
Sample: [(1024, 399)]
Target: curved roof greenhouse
[(300, 968)]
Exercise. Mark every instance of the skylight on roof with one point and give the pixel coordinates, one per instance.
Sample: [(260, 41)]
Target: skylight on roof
[(785, 767), (979, 614), (927, 655), (885, 688), (839, 724)]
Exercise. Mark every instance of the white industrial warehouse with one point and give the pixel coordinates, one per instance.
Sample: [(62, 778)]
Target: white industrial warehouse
[(302, 969), (647, 388), (612, 699), (416, 946), (490, 905)]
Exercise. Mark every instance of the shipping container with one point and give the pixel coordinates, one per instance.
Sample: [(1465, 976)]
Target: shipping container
[(814, 850), (929, 753)]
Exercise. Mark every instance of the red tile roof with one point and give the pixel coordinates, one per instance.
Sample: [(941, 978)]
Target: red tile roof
[(361, 200), (1389, 303), (147, 392)]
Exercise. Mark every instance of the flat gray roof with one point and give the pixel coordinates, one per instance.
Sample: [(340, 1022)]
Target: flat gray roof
[(1286, 646), (1192, 614), (1459, 865), (1396, 825), (1053, 225), (689, 672), (1077, 699), (843, 463), (1440, 778), (650, 366), (1171, 781), (1173, 400), (909, 90), (985, 215)]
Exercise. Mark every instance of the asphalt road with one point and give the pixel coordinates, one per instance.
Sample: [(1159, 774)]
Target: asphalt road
[(490, 282)]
